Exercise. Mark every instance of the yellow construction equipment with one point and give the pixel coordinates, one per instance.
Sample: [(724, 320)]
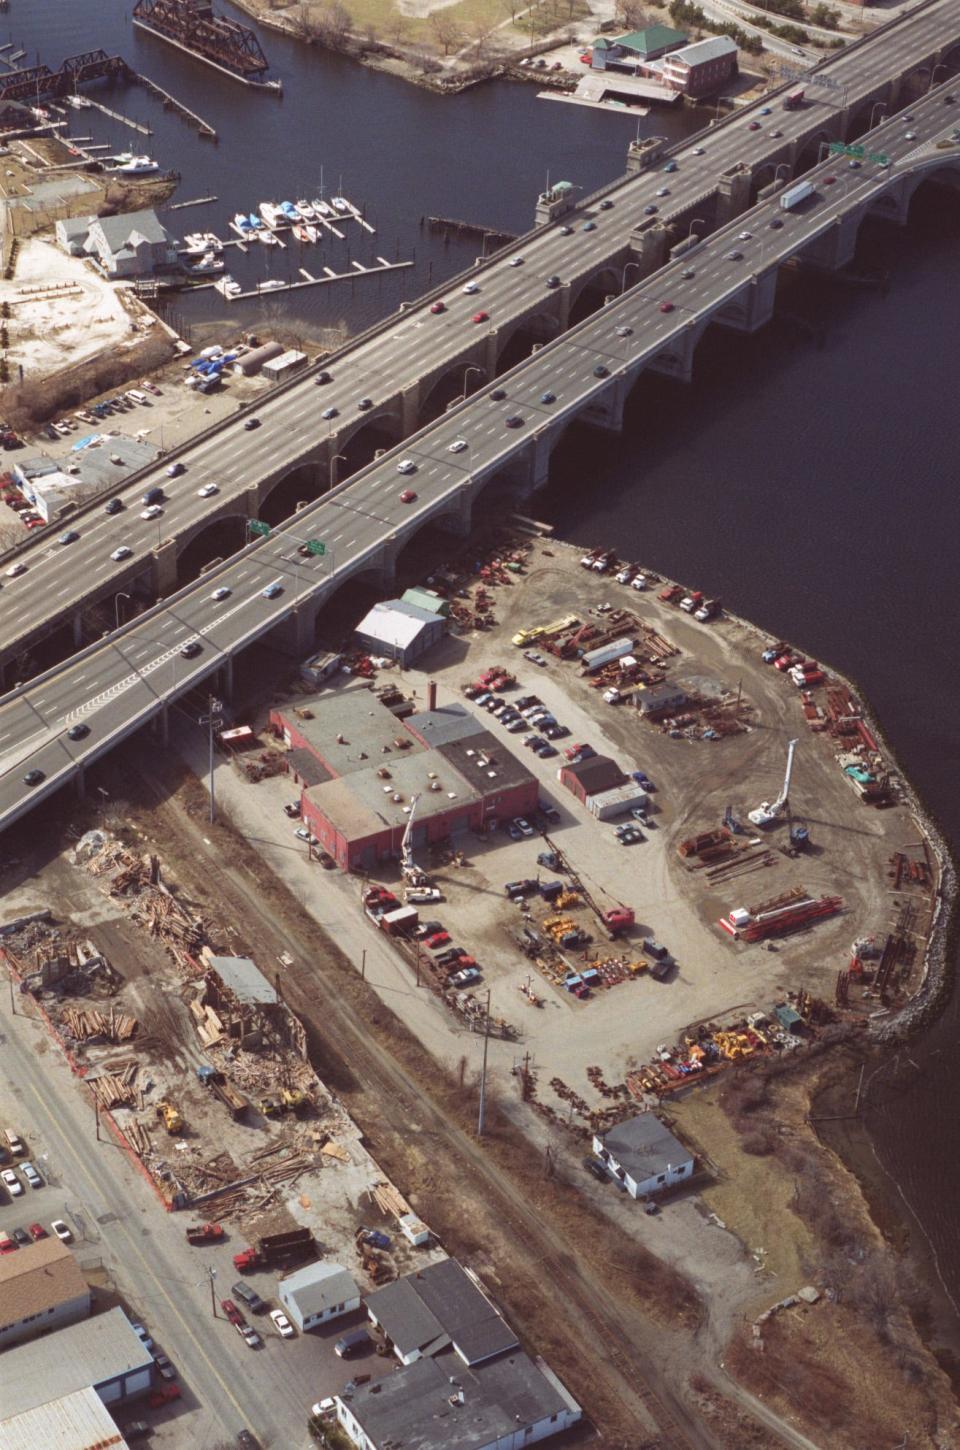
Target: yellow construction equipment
[(172, 1120), (293, 1099)]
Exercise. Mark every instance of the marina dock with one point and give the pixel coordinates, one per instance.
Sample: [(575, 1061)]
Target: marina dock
[(116, 116), (269, 288), (170, 103)]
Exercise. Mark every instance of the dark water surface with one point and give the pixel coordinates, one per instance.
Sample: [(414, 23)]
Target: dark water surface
[(813, 488)]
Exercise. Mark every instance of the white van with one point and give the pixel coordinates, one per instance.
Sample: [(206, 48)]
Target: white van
[(14, 1142)]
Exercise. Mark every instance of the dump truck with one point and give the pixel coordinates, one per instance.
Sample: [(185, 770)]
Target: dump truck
[(544, 631), (172, 1120), (221, 1087), (285, 1248), (204, 1233)]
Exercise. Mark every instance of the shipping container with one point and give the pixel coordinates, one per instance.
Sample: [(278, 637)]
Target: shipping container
[(595, 659), (610, 803)]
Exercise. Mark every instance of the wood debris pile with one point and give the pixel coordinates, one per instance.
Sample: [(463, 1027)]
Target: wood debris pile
[(116, 1089), (165, 918), (139, 879), (389, 1200), (84, 1023)]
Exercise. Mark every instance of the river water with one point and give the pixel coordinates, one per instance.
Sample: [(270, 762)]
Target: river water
[(812, 487)]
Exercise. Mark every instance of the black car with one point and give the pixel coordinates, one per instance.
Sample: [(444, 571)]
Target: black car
[(250, 1297), (364, 404), (247, 1440), (776, 224), (606, 204), (323, 377), (115, 506), (251, 423), (498, 394), (33, 777), (191, 649), (21, 1236), (600, 371), (78, 731), (553, 282), (514, 421), (594, 1166)]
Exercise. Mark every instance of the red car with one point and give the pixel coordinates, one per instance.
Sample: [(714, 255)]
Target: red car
[(10, 1246), (481, 317), (37, 1231), (754, 126), (231, 1311), (162, 1395), (573, 750), (439, 307), (666, 306), (439, 939), (408, 496)]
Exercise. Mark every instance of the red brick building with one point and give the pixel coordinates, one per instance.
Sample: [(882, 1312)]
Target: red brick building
[(373, 764)]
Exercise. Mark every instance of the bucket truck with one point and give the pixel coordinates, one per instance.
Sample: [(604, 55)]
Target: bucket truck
[(767, 813), (411, 873)]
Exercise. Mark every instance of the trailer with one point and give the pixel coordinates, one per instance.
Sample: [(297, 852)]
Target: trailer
[(288, 1248)]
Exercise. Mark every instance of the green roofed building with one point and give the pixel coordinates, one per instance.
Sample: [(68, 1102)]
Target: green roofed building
[(627, 52)]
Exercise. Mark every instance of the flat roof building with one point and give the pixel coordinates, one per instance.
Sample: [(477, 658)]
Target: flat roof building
[(41, 1288), (400, 631), (441, 1404), (103, 1353)]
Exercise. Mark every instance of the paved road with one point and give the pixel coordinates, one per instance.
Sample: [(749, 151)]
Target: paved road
[(59, 578), (116, 1218), (115, 686)]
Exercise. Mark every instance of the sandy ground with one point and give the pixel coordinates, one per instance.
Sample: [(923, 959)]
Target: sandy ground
[(59, 331)]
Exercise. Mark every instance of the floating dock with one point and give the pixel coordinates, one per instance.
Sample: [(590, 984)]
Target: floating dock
[(170, 103), (271, 289)]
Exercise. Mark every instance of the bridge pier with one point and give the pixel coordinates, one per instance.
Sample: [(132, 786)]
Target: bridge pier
[(606, 411), (752, 307), (733, 193), (78, 629), (163, 575), (648, 244), (676, 361), (835, 248)]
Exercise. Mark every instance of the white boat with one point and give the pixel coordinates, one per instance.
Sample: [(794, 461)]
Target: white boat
[(273, 284), (270, 212), (195, 243), (341, 203), (300, 232), (211, 241), (208, 263), (268, 238), (231, 287), (242, 223), (138, 166), (306, 210), (321, 208), (288, 212), (313, 233)]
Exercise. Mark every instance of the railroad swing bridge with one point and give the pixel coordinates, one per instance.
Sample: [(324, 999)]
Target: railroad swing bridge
[(193, 25), (40, 83)]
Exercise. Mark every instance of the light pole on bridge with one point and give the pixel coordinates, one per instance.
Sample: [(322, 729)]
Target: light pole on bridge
[(337, 458)]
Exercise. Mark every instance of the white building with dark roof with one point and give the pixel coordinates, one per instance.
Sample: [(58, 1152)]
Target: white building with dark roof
[(644, 1155), (439, 1306), (318, 1293)]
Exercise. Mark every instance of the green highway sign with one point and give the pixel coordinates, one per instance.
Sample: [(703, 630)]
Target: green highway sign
[(316, 547), (256, 527), (859, 153)]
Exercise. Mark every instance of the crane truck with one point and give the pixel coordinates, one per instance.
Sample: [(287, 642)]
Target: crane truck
[(767, 813), (410, 871)]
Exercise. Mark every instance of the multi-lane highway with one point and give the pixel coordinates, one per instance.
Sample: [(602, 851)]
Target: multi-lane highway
[(59, 579), (115, 686)]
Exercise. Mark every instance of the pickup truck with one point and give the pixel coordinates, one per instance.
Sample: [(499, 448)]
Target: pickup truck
[(670, 594), (691, 602)]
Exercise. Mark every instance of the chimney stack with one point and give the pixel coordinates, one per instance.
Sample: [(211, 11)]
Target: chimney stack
[(432, 695)]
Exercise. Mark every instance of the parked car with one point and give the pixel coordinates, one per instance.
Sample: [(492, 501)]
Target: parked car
[(61, 1230), (12, 1182), (352, 1343), (250, 1297), (31, 1175)]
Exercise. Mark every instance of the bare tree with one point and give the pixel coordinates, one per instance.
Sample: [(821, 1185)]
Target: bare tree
[(397, 27), (445, 30), (480, 37), (333, 25), (514, 7)]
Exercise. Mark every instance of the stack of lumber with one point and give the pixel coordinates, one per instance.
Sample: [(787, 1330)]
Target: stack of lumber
[(113, 1090), (389, 1200), (87, 1022)]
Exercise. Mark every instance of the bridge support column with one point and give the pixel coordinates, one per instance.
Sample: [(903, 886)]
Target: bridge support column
[(161, 725), (733, 194), (676, 361), (78, 629), (226, 677), (410, 409), (294, 635), (164, 572), (752, 307), (80, 783), (893, 205), (606, 412), (836, 247), (540, 463), (649, 247)]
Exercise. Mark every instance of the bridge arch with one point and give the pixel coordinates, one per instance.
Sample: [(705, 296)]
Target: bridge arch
[(809, 155), (211, 539), (306, 482), (592, 294), (515, 344), (457, 381), (361, 441)]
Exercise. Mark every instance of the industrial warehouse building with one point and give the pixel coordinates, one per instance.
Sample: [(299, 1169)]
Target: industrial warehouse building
[(465, 1382), (398, 630), (78, 1421), (103, 1353), (644, 1155), (41, 1288), (372, 764)]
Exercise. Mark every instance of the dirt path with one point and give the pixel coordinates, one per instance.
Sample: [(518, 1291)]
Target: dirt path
[(585, 1312)]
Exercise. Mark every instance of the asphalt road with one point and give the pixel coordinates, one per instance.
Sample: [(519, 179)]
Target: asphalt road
[(115, 1218), (116, 685), (60, 577)]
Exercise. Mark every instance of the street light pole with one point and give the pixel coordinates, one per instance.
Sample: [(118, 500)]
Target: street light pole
[(481, 1114), (213, 1297), (116, 607), (210, 719), (333, 467), (472, 369), (623, 275)]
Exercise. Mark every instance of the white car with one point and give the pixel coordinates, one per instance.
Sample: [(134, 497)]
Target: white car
[(745, 236), (663, 191), (516, 261), (697, 151), (152, 511), (208, 490), (638, 582), (327, 1409), (61, 1230), (123, 552), (406, 465), (222, 593), (282, 1324), (457, 446), (470, 288), (16, 570), (12, 1182), (524, 827)]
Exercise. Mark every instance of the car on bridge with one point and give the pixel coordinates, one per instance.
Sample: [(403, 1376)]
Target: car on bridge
[(775, 224), (364, 404), (470, 287), (222, 592), (650, 210), (32, 777), (438, 307), (115, 506), (123, 552), (663, 191), (251, 423), (15, 570), (70, 537), (666, 306), (406, 465), (208, 490), (272, 590), (323, 377), (553, 282), (548, 397), (670, 166), (152, 511), (606, 204), (330, 413), (589, 227), (408, 496), (600, 371), (191, 649), (498, 394), (175, 470), (515, 262), (457, 446), (514, 421), (566, 231), (481, 317), (78, 731), (624, 331), (733, 256)]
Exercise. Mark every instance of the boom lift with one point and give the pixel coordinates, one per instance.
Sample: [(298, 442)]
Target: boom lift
[(410, 871), (767, 813)]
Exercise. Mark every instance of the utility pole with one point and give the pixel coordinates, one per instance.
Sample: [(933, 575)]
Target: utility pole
[(363, 965), (96, 1118), (483, 1074), (213, 1297), (212, 720)]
